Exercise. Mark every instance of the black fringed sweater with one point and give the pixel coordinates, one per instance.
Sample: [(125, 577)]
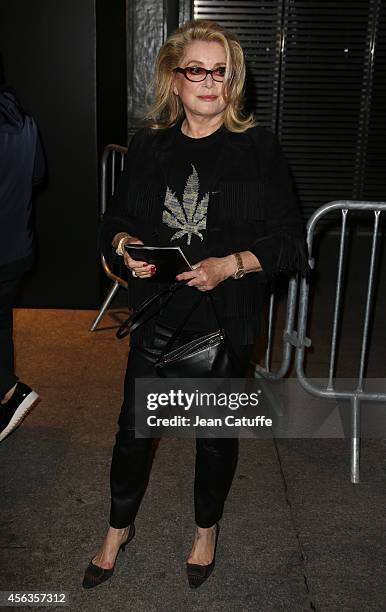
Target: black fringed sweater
[(251, 207)]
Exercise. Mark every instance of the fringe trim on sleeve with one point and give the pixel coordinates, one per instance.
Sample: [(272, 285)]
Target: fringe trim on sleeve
[(292, 256)]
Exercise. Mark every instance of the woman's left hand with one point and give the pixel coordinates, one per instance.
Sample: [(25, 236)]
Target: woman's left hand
[(208, 273)]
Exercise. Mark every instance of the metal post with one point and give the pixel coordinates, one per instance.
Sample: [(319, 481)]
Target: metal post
[(337, 301), (370, 291), (112, 173), (104, 306), (108, 170), (355, 439), (269, 335)]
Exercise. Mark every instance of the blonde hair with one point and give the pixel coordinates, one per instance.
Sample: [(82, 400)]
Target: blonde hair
[(167, 109)]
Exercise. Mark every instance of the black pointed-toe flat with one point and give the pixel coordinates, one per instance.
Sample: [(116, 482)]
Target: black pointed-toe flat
[(95, 575), (197, 574)]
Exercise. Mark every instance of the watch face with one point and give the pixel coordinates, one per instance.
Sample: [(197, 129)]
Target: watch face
[(239, 273)]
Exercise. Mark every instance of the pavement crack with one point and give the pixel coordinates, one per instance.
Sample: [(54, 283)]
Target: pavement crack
[(294, 527)]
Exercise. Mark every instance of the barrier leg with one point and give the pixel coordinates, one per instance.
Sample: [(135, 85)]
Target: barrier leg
[(104, 306), (275, 403), (356, 439)]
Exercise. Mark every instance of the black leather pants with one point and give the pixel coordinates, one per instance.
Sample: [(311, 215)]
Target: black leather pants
[(216, 458)]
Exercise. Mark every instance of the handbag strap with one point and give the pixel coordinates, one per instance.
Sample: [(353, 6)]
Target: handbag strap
[(181, 326), (138, 317)]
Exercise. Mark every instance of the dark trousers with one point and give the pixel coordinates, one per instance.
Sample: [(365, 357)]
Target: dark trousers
[(9, 288), (216, 458)]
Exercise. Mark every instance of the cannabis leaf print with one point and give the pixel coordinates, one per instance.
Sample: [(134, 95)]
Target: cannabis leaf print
[(188, 217)]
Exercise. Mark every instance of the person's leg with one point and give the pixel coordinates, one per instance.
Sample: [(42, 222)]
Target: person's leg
[(130, 466), (216, 461), (131, 456), (16, 398), (9, 288), (8, 382)]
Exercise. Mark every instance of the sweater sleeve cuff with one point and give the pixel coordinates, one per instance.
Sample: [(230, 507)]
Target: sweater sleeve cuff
[(264, 252), (283, 253)]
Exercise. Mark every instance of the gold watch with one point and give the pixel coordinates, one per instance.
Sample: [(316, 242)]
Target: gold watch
[(240, 270)]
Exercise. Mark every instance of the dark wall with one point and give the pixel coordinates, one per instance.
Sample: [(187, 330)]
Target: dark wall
[(149, 22), (49, 51), (111, 73)]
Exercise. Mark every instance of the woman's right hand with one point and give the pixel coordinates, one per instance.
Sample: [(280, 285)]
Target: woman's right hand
[(139, 269)]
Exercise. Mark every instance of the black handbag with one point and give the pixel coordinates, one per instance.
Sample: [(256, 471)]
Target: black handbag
[(210, 355)]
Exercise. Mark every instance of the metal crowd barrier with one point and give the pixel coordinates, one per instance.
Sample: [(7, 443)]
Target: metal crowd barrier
[(298, 340), (110, 171)]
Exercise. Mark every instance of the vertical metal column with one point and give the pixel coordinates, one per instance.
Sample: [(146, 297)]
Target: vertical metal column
[(109, 154), (338, 297), (355, 439)]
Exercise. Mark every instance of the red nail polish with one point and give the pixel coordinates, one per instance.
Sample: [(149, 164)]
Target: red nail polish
[(144, 265)]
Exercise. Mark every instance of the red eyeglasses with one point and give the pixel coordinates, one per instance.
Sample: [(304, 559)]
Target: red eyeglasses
[(196, 73)]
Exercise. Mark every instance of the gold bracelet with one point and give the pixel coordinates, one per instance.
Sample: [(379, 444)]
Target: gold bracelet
[(120, 250)]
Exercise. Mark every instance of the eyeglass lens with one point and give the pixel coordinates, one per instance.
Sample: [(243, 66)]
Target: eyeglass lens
[(196, 73)]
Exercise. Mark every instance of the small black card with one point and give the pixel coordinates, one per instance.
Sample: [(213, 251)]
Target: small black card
[(169, 261)]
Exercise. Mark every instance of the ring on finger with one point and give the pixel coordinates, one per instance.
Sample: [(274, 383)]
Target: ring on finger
[(134, 274)]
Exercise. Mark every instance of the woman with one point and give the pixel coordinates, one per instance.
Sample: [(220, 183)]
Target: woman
[(203, 177)]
